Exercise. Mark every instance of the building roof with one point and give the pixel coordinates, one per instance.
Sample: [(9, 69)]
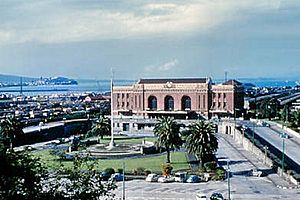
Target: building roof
[(172, 80), (233, 82)]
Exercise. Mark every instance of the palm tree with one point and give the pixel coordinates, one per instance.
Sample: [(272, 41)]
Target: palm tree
[(10, 128), (167, 131), (100, 128), (201, 141)]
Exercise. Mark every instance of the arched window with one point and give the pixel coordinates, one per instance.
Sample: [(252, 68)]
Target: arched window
[(169, 103), (152, 103), (186, 103)]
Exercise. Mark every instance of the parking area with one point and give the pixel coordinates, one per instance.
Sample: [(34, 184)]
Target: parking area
[(242, 185)]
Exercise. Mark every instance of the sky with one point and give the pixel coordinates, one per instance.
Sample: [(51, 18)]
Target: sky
[(142, 39)]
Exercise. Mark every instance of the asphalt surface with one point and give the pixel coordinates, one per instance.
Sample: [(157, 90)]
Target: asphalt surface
[(272, 135)]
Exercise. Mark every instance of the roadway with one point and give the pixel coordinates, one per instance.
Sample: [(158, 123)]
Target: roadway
[(272, 135)]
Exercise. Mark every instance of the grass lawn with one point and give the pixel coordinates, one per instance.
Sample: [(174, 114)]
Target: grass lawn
[(153, 163)]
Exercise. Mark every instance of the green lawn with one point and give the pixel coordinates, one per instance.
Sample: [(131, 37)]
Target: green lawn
[(153, 163)]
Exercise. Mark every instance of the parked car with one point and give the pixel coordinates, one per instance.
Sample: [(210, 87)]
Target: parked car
[(180, 176), (104, 176), (255, 172), (116, 177), (201, 196), (152, 178), (193, 179), (216, 196), (166, 179)]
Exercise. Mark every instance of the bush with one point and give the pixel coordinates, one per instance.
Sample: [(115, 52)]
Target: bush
[(147, 172), (109, 170), (210, 166), (138, 171), (201, 170), (166, 169), (120, 171)]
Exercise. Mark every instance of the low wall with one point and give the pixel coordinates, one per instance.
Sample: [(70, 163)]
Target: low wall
[(229, 128)]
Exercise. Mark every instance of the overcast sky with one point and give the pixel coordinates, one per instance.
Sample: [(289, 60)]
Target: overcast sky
[(84, 39)]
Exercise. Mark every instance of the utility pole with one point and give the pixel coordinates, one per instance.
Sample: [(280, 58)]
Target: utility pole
[(123, 191), (283, 136), (228, 179), (266, 149)]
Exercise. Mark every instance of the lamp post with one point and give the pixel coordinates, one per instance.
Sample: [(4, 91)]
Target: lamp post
[(228, 179), (283, 136), (266, 150)]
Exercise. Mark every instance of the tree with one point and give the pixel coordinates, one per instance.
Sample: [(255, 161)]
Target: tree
[(24, 177), (201, 141), (297, 118), (268, 108), (100, 128), (80, 181), (285, 113), (167, 131), (20, 175), (10, 128)]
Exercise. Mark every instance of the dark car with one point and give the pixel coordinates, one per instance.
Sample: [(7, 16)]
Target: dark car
[(104, 176), (216, 196)]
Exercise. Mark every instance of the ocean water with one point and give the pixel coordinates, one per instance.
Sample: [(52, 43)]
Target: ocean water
[(103, 86)]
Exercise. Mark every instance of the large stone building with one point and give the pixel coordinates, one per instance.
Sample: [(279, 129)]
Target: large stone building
[(181, 98)]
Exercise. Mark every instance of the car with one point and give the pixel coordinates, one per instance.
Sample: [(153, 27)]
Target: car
[(104, 176), (152, 178), (116, 177), (166, 179), (201, 196), (180, 176), (255, 172), (193, 179), (216, 196)]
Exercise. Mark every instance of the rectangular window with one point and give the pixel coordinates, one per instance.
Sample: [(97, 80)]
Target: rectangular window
[(224, 105), (122, 95), (199, 101), (203, 101)]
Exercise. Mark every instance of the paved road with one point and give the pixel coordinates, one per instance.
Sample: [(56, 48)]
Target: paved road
[(242, 187), (272, 135)]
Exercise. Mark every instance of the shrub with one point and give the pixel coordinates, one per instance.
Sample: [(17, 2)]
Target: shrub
[(166, 169), (147, 172), (120, 171), (109, 170), (138, 171), (210, 166)]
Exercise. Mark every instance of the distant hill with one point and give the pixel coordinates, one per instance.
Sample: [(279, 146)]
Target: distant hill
[(13, 79)]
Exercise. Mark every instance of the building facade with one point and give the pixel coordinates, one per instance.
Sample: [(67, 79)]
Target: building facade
[(181, 98)]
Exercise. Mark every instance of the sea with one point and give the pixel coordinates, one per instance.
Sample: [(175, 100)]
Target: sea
[(102, 86)]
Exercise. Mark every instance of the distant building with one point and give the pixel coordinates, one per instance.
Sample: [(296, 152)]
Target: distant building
[(181, 98)]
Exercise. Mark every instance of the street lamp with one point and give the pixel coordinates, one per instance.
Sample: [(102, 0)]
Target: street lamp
[(266, 150), (228, 178), (283, 136)]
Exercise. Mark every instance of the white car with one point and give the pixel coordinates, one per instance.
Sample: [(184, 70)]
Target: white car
[(255, 172), (180, 176), (166, 179), (152, 178), (201, 196)]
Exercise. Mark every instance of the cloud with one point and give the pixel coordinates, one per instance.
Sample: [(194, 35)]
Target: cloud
[(165, 67), (59, 22)]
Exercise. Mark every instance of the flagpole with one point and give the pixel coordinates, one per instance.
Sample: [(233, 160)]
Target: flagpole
[(112, 143)]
